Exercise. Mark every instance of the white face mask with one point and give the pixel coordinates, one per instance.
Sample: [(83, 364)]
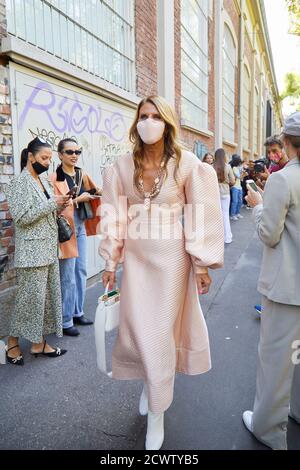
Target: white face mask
[(150, 130)]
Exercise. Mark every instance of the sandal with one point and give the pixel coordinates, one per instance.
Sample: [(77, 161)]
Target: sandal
[(17, 361), (56, 353)]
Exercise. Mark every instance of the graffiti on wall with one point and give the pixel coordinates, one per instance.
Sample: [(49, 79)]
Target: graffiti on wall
[(102, 133), (49, 136), (69, 115)]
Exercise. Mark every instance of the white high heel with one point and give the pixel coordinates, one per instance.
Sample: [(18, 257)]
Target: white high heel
[(155, 431), (143, 405)]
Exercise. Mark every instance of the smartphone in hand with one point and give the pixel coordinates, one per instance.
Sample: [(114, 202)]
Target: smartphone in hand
[(252, 185), (72, 191), (91, 191)]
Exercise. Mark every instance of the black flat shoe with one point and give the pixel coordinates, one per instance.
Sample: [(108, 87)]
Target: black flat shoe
[(16, 361), (56, 353), (82, 321), (72, 331)]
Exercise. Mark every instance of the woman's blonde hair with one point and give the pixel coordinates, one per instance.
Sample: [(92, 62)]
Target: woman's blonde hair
[(172, 147)]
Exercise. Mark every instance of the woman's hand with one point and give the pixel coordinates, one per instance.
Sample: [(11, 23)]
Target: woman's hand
[(254, 197), (62, 202), (84, 197), (203, 283), (109, 277)]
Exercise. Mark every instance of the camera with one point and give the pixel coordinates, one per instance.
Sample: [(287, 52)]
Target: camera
[(259, 166)]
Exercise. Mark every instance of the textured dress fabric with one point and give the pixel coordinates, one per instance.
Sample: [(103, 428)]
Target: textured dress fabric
[(37, 311), (162, 329)]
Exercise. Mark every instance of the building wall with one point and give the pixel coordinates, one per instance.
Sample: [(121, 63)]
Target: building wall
[(7, 272), (146, 80), (146, 47)]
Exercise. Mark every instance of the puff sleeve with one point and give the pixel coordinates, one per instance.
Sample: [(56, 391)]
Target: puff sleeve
[(203, 222), (113, 224)]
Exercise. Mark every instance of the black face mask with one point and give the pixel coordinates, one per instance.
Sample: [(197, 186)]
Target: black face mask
[(39, 168)]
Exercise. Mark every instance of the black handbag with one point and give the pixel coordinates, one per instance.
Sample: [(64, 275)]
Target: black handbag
[(85, 210), (65, 231)]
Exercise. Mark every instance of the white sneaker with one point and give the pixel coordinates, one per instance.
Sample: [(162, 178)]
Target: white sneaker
[(143, 405), (248, 420), (155, 431), (234, 217), (293, 417), (239, 216)]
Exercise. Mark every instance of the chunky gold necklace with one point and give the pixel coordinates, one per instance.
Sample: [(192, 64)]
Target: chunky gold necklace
[(148, 195)]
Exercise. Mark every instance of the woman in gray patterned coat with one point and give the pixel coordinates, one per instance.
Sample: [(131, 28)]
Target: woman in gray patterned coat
[(33, 207)]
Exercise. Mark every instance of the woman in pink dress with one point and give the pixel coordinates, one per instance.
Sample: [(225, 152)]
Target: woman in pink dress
[(161, 217)]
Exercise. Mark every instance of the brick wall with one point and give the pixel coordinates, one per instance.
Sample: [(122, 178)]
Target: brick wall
[(7, 273), (146, 47)]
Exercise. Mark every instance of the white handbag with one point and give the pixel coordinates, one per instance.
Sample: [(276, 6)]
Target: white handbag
[(106, 319)]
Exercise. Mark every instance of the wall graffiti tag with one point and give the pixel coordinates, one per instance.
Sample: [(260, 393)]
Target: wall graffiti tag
[(69, 115), (49, 136)]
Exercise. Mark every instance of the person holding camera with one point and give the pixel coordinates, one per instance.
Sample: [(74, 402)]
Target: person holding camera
[(83, 217), (258, 172), (277, 219), (33, 207)]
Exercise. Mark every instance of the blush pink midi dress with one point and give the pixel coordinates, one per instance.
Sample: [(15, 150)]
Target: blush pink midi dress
[(162, 329)]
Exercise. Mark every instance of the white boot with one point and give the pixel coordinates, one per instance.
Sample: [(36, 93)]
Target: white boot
[(143, 406), (248, 420), (155, 431)]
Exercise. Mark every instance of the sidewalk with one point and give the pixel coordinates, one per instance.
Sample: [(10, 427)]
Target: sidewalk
[(67, 404)]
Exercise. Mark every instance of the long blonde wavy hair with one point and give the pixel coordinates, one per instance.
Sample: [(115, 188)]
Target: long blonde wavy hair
[(172, 146)]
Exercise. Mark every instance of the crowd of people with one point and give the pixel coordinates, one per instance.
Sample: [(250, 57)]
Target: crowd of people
[(162, 329), (233, 174)]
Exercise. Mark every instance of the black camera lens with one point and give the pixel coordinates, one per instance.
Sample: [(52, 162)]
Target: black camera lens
[(259, 167)]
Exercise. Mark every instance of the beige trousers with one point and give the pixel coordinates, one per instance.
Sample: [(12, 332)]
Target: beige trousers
[(278, 377)]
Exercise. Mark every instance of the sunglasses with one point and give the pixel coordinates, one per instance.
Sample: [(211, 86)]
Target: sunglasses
[(44, 141), (72, 152)]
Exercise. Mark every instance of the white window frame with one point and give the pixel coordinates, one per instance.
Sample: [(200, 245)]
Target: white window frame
[(106, 44), (194, 112), (228, 87)]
